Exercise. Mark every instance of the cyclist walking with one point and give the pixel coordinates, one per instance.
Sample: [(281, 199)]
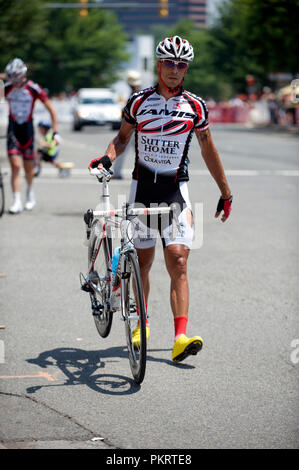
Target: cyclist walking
[(21, 95), (164, 118)]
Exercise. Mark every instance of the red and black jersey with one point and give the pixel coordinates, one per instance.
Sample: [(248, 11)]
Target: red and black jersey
[(21, 100), (164, 129)]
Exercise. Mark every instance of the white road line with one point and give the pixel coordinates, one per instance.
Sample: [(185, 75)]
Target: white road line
[(46, 172)]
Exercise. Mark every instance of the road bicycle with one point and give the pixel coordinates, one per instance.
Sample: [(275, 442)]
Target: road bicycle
[(122, 290)]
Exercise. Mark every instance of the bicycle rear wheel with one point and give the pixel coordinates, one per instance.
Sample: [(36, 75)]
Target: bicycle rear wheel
[(133, 310), (2, 198), (99, 256)]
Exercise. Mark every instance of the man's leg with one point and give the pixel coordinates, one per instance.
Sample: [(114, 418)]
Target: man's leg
[(38, 158), (176, 257), (146, 257), (29, 174), (16, 164)]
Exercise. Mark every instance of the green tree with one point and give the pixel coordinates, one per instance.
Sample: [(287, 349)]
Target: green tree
[(67, 51), (22, 24), (202, 77), (80, 51), (254, 37)]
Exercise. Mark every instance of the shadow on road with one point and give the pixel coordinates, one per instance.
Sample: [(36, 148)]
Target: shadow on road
[(79, 367)]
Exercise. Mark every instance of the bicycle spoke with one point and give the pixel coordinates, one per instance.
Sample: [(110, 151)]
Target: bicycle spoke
[(99, 280)]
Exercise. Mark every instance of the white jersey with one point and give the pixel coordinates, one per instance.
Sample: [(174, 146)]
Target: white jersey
[(164, 129), (21, 100)]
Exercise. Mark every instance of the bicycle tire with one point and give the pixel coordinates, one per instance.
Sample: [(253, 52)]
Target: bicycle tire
[(2, 195), (133, 303), (99, 254)]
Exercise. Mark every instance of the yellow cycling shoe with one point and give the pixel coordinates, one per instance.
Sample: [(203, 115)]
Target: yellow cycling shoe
[(136, 336), (184, 347)]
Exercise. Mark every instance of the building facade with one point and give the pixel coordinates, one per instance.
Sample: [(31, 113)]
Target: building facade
[(140, 18)]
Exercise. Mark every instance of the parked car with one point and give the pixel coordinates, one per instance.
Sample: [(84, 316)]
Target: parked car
[(96, 107)]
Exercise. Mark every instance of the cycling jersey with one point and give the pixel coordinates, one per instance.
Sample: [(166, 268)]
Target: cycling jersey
[(21, 100), (20, 133), (163, 132)]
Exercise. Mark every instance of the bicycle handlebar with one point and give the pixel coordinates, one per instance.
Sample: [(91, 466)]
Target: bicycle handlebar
[(135, 211), (143, 211), (132, 211), (101, 173)]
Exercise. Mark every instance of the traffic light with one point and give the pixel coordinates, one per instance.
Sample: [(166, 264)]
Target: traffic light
[(163, 9), (83, 11)]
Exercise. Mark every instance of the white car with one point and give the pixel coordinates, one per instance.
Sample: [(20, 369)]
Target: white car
[(96, 107)]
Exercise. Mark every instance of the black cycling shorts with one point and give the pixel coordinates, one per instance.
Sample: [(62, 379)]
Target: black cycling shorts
[(20, 139), (147, 194)]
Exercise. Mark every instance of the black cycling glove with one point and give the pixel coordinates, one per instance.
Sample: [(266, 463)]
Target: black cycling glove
[(105, 161), (225, 205)]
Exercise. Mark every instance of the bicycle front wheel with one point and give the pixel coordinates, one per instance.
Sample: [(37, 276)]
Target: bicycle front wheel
[(99, 257), (133, 310)]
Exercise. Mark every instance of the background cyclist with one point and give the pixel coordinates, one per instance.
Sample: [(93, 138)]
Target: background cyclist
[(164, 119), (21, 95)]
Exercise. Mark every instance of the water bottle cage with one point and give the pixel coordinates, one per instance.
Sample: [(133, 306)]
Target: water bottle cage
[(88, 218)]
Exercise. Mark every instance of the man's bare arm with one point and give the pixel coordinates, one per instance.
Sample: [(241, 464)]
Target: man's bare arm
[(118, 145), (52, 112), (213, 162)]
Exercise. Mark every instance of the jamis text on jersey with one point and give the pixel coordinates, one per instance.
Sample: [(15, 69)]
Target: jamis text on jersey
[(165, 112)]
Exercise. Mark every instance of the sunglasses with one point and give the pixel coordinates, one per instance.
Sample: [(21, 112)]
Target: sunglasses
[(172, 64)]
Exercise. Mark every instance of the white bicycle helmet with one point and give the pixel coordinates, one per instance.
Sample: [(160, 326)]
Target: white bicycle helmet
[(175, 48), (133, 78), (15, 70)]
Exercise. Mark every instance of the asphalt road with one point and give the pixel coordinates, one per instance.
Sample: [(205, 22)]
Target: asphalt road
[(62, 386)]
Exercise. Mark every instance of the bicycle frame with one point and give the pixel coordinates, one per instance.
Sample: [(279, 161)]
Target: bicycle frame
[(106, 219)]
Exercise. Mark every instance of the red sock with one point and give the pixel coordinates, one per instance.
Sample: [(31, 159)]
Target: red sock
[(146, 321), (180, 326)]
